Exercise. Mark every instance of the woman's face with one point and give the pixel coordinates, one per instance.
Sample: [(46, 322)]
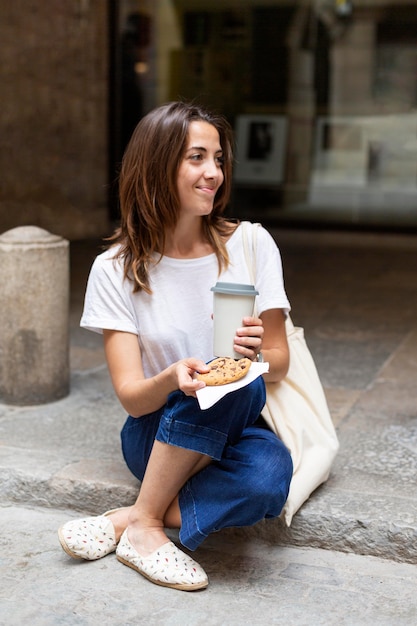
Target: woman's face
[(200, 173)]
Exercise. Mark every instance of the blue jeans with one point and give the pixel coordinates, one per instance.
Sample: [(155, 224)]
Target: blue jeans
[(251, 469)]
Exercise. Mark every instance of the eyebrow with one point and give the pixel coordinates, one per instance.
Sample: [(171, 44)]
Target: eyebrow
[(203, 149)]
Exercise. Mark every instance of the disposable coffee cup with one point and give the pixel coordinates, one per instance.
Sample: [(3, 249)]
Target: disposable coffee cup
[(231, 303)]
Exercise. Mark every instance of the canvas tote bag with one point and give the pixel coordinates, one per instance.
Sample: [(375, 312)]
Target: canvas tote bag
[(296, 408)]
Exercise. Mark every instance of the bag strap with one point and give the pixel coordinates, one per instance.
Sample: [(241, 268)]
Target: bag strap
[(250, 252), (250, 256)]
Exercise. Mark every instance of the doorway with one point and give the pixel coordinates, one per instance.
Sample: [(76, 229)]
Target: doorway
[(129, 42)]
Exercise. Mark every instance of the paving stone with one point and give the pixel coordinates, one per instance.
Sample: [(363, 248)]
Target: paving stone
[(250, 583)]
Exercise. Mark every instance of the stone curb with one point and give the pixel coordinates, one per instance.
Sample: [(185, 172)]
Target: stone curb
[(323, 522)]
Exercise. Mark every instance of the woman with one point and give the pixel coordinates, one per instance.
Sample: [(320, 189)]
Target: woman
[(149, 295)]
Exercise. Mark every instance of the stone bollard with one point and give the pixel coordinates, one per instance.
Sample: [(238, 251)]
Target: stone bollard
[(34, 316)]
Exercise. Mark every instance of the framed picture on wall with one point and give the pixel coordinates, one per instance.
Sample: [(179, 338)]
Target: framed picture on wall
[(260, 149)]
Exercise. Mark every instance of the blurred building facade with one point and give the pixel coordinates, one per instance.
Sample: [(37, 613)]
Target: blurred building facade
[(322, 95)]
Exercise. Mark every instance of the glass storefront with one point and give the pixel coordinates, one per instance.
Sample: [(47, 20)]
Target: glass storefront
[(322, 95)]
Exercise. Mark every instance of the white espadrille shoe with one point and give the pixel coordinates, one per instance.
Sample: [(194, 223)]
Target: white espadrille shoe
[(167, 566), (89, 538)]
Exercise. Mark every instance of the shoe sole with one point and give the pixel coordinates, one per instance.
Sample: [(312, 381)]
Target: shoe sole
[(178, 586)]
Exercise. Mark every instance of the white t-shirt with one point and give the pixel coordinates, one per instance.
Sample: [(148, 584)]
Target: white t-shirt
[(174, 322)]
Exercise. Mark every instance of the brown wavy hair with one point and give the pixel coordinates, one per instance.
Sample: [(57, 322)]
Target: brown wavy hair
[(148, 193)]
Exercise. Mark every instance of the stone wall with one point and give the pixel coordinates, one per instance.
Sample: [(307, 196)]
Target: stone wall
[(53, 120)]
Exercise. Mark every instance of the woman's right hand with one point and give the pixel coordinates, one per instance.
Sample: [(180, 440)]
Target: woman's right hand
[(185, 371)]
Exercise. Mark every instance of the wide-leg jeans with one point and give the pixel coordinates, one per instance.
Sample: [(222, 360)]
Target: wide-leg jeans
[(251, 469)]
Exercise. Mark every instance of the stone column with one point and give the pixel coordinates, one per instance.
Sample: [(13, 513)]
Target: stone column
[(34, 316)]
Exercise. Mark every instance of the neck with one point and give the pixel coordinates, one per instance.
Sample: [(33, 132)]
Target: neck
[(187, 240)]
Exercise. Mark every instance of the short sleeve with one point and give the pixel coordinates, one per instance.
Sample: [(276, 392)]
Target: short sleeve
[(108, 304), (269, 273)]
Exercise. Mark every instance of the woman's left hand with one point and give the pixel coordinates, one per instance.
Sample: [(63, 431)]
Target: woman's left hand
[(248, 338)]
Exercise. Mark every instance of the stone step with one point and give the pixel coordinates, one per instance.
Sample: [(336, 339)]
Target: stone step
[(333, 519)]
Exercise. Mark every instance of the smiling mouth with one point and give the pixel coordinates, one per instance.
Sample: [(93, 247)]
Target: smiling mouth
[(206, 188)]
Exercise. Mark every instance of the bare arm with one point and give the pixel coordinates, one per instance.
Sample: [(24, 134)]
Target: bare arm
[(137, 394), (268, 334)]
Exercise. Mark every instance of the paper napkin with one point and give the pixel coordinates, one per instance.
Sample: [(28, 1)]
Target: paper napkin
[(211, 394)]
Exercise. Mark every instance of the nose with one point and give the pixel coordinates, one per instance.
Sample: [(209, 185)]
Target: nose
[(212, 169)]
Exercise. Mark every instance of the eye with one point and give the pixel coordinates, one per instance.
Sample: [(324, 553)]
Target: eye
[(220, 160), (195, 157)]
